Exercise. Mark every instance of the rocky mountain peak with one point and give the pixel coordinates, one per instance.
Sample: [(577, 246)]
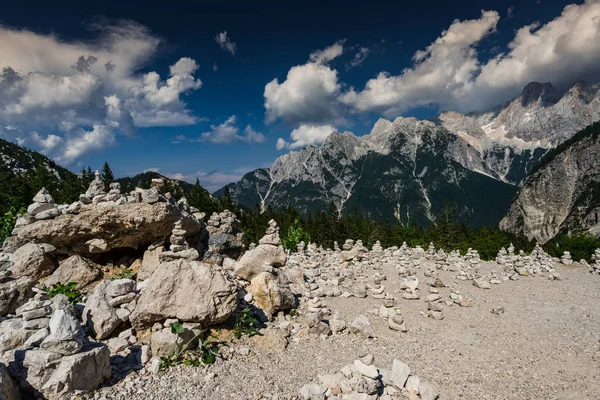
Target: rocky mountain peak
[(380, 126), (544, 93)]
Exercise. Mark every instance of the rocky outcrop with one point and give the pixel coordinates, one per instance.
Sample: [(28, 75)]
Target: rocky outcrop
[(54, 376), (563, 194), (187, 290), (99, 229)]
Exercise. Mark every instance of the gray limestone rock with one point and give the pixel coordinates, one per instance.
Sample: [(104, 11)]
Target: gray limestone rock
[(186, 290), (33, 261), (75, 269)]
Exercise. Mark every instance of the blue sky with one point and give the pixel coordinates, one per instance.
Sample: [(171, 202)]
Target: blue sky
[(245, 75)]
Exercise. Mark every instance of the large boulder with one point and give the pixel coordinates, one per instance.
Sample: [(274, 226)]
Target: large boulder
[(14, 293), (99, 229), (13, 334), (271, 292), (251, 263), (8, 389), (75, 269), (32, 260), (12, 243), (54, 376), (187, 290), (165, 342)]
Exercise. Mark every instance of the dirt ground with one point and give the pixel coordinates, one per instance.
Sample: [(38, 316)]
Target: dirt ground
[(546, 345)]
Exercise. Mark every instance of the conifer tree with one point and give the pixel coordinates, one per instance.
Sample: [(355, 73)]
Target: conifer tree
[(227, 202), (107, 174)]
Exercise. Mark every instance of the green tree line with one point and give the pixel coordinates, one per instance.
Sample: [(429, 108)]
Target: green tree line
[(323, 227)]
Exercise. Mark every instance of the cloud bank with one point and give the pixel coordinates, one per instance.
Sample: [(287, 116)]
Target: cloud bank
[(450, 73), (82, 95)]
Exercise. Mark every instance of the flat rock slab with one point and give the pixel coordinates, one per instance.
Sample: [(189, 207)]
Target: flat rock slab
[(101, 229)]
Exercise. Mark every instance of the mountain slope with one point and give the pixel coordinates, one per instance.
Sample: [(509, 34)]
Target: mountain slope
[(510, 139), (23, 172), (402, 170), (563, 192), (409, 169)]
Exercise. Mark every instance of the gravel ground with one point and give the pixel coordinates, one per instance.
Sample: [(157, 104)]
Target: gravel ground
[(546, 345)]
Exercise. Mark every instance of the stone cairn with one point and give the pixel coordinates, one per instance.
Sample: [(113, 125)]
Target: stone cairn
[(53, 343), (179, 247), (316, 313), (566, 258), (43, 206), (226, 241), (515, 266), (110, 305), (363, 380), (95, 193), (301, 246), (377, 248)]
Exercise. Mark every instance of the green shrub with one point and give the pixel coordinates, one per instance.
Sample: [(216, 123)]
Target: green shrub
[(126, 274), (208, 351), (580, 246), (245, 324), (294, 235), (7, 223), (68, 289)]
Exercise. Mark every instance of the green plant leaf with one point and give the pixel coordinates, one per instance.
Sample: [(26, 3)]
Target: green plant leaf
[(176, 327)]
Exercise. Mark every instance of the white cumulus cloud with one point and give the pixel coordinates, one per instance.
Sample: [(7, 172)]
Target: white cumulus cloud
[(305, 135), (229, 132), (442, 72), (450, 74), (308, 95), (86, 93)]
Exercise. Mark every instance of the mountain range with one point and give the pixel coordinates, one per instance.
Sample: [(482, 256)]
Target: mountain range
[(410, 170), (530, 165)]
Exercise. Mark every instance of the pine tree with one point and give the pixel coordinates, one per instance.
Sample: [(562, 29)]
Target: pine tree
[(107, 175), (71, 189), (227, 203), (42, 179)]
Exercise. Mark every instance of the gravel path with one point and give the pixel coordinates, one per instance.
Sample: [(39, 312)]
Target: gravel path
[(546, 345)]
